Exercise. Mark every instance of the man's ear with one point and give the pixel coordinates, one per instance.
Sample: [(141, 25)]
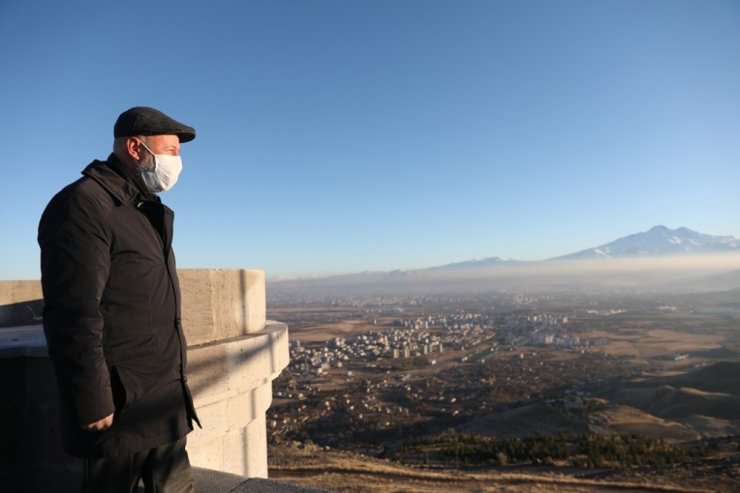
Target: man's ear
[(133, 148)]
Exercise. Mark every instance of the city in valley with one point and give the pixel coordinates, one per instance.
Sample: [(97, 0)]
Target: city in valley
[(505, 390)]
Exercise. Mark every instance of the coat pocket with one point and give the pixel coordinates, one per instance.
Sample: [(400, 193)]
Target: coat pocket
[(118, 389), (136, 383)]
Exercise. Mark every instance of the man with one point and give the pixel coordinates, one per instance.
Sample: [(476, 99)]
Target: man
[(112, 312)]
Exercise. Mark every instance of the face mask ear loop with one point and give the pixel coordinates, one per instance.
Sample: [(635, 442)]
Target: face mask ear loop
[(146, 147), (153, 155)]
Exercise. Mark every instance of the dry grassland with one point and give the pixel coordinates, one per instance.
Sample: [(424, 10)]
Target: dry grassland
[(345, 472), (325, 332), (623, 420), (653, 343)]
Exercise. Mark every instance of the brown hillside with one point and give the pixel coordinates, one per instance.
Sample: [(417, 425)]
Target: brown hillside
[(723, 377), (670, 402), (624, 420), (538, 418)]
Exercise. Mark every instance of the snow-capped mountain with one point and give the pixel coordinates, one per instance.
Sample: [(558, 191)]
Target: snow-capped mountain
[(659, 240)]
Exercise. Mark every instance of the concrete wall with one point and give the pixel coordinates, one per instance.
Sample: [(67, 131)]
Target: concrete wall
[(16, 291), (20, 303), (233, 352), (220, 304)]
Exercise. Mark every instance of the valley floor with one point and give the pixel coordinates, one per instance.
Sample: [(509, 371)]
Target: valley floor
[(343, 471)]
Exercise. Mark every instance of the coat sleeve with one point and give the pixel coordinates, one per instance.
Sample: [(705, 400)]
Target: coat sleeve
[(75, 261)]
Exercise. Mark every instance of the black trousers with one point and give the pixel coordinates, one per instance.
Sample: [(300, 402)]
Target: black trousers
[(164, 469)]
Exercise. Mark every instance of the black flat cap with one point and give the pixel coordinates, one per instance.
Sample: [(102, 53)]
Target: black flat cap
[(142, 120)]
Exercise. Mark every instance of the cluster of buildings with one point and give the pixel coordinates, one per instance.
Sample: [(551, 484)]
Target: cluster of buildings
[(540, 330), (340, 352), (408, 370), (432, 334)]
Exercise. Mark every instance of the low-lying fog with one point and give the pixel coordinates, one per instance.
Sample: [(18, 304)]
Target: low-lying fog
[(658, 268)]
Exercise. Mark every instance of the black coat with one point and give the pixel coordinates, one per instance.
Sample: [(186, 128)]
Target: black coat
[(112, 314)]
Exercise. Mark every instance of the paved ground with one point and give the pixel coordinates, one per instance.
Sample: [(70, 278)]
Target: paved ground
[(208, 481)]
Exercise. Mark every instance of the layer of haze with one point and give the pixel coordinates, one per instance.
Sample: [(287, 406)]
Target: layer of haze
[(693, 273), (658, 268), (338, 136), (675, 274)]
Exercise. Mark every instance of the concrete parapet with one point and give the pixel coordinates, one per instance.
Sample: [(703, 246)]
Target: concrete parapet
[(20, 303), (233, 356), (220, 304), (18, 291), (216, 304), (232, 386)]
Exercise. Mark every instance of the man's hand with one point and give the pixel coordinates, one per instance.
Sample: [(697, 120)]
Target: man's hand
[(100, 424)]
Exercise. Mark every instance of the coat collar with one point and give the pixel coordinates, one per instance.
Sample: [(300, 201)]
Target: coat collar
[(113, 177)]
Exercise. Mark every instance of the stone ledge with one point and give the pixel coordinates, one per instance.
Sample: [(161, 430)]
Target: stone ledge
[(229, 367), (23, 342), (231, 382), (232, 387)]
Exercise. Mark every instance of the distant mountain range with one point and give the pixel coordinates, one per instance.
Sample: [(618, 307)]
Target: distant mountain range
[(474, 264), (579, 268), (657, 241)]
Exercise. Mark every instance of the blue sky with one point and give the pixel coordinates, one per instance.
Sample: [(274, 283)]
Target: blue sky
[(348, 135)]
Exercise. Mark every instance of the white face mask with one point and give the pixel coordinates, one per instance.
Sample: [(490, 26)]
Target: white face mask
[(164, 175)]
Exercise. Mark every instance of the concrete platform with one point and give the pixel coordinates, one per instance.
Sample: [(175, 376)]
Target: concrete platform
[(209, 481)]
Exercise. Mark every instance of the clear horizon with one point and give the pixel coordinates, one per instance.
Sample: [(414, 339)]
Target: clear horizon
[(337, 137)]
